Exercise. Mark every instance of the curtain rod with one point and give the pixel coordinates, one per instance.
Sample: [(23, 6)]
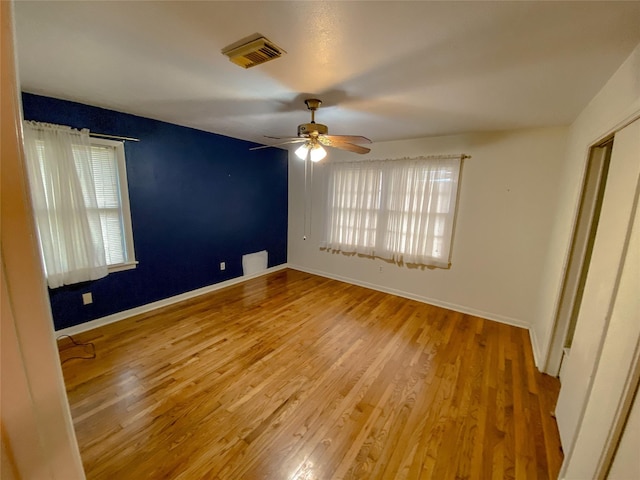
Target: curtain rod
[(113, 137), (461, 156)]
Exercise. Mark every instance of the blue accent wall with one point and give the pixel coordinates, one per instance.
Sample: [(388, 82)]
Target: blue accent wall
[(197, 199)]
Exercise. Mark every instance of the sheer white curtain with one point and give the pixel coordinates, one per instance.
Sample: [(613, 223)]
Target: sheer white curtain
[(64, 201), (354, 199), (401, 210)]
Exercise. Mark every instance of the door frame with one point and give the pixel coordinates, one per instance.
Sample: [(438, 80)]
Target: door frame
[(608, 359), (606, 408), (553, 352), (37, 431), (582, 239)]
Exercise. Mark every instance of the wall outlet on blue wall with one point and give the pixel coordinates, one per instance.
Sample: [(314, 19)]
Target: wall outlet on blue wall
[(87, 298), (223, 265)]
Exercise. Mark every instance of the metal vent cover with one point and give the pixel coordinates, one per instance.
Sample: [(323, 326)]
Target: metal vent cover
[(253, 53)]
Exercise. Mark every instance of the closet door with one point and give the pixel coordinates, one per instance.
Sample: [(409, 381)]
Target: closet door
[(608, 325)]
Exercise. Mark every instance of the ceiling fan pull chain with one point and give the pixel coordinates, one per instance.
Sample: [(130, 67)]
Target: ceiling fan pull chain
[(311, 199), (306, 163)]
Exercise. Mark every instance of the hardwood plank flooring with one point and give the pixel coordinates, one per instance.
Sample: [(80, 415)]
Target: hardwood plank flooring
[(298, 377)]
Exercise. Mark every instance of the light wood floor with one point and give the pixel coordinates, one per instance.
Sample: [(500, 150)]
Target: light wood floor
[(293, 376)]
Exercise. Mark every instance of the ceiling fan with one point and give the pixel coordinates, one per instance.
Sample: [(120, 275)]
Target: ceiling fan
[(314, 136)]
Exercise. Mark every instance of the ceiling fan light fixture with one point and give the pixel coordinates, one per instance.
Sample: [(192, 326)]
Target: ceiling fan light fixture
[(314, 135), (301, 152), (317, 153)]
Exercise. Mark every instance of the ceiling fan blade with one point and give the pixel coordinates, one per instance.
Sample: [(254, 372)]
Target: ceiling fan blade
[(284, 137), (293, 140), (348, 138), (350, 147)]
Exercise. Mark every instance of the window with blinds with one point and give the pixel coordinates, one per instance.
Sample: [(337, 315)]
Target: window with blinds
[(110, 185)]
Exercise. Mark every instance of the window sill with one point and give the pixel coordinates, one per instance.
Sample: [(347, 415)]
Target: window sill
[(120, 267)]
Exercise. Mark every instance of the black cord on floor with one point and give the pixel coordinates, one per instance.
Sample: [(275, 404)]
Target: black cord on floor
[(88, 344)]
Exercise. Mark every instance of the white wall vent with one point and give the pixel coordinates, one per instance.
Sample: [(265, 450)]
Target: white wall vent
[(255, 52)]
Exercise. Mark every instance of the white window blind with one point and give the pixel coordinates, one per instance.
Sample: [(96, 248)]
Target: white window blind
[(110, 184), (400, 210), (107, 188)]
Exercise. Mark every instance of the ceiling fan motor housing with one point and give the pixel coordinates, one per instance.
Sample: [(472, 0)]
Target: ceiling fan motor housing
[(307, 129)]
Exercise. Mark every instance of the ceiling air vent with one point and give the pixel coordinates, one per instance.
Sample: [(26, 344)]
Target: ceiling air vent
[(255, 52)]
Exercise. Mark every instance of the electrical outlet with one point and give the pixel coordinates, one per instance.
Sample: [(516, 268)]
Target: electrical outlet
[(380, 269), (87, 298), (223, 265)]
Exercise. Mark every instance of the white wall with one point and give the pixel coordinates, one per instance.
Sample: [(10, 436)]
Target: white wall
[(618, 100), (508, 196)]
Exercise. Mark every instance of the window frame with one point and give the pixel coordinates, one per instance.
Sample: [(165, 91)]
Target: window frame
[(123, 190)]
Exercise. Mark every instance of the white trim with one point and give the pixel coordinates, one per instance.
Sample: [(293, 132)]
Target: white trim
[(116, 317), (535, 346), (123, 189), (625, 122), (120, 267), (431, 301)]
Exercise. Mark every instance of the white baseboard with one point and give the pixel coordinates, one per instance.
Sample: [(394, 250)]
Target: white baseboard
[(116, 317), (535, 346), (432, 301)]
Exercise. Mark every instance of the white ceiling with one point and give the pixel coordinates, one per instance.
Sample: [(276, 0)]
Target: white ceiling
[(387, 70)]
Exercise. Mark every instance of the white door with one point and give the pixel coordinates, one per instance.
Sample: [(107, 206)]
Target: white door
[(626, 463), (597, 313)]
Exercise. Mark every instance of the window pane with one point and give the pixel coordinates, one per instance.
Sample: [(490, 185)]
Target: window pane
[(105, 176), (355, 204), (112, 235)]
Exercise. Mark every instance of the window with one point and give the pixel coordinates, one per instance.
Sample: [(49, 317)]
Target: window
[(79, 194), (108, 176), (110, 183), (401, 210)]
